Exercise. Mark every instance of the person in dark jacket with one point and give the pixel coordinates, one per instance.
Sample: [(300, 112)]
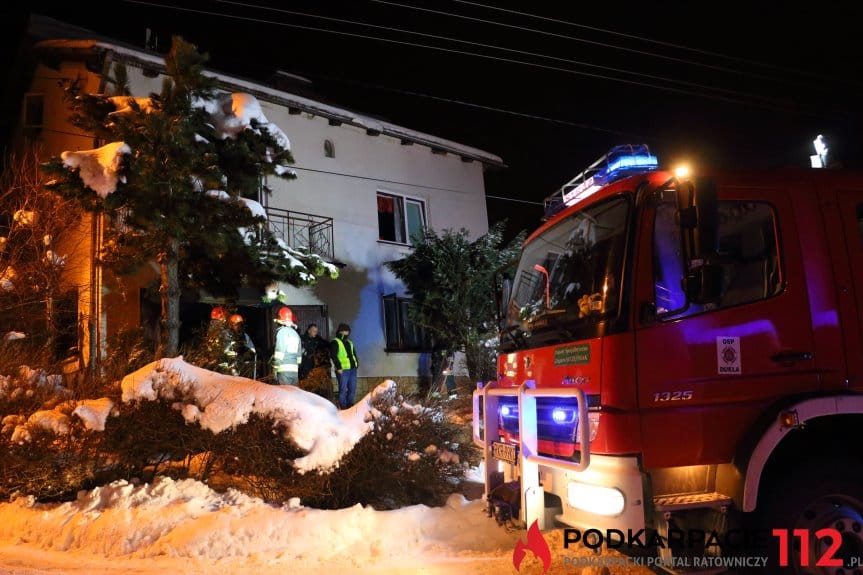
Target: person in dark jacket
[(315, 366), (344, 357)]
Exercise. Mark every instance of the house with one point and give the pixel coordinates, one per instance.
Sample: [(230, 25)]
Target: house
[(364, 187)]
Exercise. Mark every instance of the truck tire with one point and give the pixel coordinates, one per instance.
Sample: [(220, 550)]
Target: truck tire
[(826, 494)]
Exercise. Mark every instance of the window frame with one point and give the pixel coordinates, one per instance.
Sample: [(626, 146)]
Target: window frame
[(401, 347), (686, 310), (405, 199)]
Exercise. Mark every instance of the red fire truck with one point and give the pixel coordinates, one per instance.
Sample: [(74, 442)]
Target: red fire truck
[(685, 352)]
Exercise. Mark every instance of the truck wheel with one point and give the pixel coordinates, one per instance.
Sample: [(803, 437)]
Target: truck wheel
[(826, 495)]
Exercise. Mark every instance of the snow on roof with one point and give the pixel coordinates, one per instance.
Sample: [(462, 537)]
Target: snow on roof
[(218, 402), (288, 99), (98, 168)]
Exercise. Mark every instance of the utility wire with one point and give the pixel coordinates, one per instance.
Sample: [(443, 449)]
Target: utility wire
[(596, 43), (493, 109), (463, 52), (657, 42), (504, 49)]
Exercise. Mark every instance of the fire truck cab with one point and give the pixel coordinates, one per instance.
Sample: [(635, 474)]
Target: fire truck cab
[(685, 351)]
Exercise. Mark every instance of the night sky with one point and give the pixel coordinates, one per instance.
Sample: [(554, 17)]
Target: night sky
[(558, 84)]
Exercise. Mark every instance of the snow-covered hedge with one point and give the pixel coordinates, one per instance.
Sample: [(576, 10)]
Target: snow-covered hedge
[(278, 443)]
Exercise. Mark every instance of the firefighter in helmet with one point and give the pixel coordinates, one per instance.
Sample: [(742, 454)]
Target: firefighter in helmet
[(242, 348), (289, 349)]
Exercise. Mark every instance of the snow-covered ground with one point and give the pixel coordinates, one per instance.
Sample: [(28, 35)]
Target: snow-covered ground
[(184, 527)]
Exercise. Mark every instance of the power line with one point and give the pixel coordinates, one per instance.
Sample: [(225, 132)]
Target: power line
[(494, 109), (592, 42), (514, 200), (463, 52), (502, 48), (657, 42)]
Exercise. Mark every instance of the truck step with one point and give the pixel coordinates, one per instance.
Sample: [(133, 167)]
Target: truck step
[(691, 501)]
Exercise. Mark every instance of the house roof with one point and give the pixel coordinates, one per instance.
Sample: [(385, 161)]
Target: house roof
[(336, 114)]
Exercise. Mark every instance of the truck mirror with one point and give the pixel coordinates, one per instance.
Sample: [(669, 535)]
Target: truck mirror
[(703, 284), (504, 294), (698, 216)]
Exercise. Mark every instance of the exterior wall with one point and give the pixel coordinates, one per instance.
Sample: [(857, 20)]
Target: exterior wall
[(343, 188)]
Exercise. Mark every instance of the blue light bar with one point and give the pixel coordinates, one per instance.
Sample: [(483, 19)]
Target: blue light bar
[(619, 162), (636, 161)]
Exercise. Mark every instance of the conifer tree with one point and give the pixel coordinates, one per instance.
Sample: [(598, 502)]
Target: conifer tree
[(173, 177), (452, 281)]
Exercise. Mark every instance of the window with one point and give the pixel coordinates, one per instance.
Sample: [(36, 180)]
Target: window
[(748, 255), (65, 316), (399, 218), (329, 149), (34, 110), (402, 334)]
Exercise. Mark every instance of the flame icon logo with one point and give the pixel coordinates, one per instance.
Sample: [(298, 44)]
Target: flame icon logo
[(536, 543)]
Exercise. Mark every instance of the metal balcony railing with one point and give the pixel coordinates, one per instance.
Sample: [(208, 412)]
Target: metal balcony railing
[(303, 231)]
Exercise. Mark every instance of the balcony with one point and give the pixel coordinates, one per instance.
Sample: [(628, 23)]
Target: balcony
[(303, 231)]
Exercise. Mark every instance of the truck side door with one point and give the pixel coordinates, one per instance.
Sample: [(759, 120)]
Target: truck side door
[(705, 373)]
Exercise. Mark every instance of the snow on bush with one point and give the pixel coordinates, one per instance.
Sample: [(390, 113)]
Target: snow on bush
[(219, 402), (98, 168), (94, 412)]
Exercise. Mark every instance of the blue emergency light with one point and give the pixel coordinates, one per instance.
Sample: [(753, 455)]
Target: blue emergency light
[(619, 162)]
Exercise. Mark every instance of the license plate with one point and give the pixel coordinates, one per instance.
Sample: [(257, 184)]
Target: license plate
[(504, 452)]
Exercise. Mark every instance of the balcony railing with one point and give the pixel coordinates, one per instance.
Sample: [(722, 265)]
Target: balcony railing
[(303, 231)]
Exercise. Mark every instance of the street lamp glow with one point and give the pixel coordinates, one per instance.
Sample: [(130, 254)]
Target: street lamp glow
[(681, 171)]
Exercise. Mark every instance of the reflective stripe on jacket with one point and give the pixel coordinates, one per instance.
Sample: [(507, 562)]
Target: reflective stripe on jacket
[(288, 350)]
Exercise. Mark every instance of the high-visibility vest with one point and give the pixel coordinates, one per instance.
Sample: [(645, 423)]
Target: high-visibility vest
[(345, 355), (288, 350)]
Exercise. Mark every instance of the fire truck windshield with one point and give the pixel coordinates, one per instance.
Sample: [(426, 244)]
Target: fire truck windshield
[(569, 277)]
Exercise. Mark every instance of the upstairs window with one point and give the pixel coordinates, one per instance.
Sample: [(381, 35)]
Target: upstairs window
[(400, 218)]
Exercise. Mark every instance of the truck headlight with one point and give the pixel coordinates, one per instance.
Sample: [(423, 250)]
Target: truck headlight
[(594, 498)]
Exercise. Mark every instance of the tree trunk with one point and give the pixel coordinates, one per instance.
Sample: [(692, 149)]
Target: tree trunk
[(169, 263)]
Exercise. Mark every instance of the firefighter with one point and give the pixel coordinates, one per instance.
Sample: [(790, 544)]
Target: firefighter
[(289, 348), (217, 343), (242, 348)]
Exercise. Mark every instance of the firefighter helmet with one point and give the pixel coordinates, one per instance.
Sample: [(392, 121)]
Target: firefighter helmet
[(218, 313), (285, 315), (235, 319)]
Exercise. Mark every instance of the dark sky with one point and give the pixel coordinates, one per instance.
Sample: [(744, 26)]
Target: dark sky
[(726, 84)]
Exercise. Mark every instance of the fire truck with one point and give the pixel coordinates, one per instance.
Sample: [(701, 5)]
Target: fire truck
[(683, 352)]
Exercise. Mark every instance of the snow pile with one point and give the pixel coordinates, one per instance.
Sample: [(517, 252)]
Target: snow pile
[(13, 335), (6, 278), (98, 168), (217, 402), (186, 519), (94, 412), (24, 217), (46, 420)]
